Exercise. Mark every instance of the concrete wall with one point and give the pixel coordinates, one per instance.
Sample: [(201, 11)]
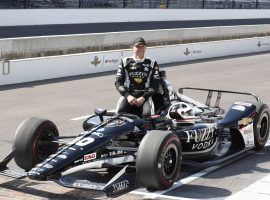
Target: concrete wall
[(25, 70), (75, 16), (18, 48)]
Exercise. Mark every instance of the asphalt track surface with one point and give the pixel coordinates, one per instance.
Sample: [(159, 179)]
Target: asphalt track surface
[(66, 29), (61, 100)]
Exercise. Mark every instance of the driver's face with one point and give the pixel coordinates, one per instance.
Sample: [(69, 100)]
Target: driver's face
[(139, 50)]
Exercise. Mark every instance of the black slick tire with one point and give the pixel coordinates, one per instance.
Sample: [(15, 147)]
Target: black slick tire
[(33, 142), (261, 126), (158, 160)]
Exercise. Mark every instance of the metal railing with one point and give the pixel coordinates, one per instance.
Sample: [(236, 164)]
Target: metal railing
[(185, 4)]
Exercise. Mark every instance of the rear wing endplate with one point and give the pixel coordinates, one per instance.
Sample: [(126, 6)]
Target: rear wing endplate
[(219, 92)]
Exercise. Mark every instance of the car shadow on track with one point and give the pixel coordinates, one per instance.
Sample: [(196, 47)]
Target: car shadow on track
[(199, 192), (27, 188), (253, 163)]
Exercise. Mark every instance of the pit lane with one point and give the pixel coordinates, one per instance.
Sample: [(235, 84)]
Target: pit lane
[(64, 99)]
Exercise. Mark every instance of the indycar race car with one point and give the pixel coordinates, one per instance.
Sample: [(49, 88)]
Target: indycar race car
[(144, 151)]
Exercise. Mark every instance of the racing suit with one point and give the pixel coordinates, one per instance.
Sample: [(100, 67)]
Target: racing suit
[(139, 78)]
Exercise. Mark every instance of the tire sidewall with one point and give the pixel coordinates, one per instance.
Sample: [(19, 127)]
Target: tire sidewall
[(150, 158), (262, 114), (171, 141), (26, 139)]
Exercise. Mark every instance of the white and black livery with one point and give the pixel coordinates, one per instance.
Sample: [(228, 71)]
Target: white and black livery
[(149, 151)]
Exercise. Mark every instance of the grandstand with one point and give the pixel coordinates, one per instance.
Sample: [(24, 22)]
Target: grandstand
[(185, 4)]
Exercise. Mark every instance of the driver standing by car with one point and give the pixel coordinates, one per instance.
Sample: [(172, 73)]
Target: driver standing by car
[(137, 80)]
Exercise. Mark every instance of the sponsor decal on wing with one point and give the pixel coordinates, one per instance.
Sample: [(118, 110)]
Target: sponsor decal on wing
[(121, 185)]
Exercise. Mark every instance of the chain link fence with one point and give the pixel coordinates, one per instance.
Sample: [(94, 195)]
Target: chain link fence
[(184, 4)]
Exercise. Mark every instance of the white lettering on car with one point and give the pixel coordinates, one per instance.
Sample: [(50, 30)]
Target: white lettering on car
[(202, 138), (85, 141), (121, 185)]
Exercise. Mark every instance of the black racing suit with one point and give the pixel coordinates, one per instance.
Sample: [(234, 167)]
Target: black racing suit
[(139, 78)]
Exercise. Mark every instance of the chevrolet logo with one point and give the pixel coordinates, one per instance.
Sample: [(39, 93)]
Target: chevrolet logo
[(187, 52), (95, 62)]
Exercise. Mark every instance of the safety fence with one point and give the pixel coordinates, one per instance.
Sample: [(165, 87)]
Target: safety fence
[(197, 4)]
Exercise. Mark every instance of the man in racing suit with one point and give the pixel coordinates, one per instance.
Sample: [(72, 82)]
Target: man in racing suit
[(137, 80)]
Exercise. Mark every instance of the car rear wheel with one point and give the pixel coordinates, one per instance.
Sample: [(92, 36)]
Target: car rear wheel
[(261, 126), (158, 160), (34, 142)]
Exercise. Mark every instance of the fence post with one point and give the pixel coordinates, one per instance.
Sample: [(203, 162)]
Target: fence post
[(203, 4)]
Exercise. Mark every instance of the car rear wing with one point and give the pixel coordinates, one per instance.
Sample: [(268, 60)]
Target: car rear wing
[(219, 92)]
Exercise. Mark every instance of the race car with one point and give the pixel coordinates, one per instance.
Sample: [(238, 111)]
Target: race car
[(145, 152)]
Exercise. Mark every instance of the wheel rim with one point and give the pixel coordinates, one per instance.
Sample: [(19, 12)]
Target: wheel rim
[(170, 161), (263, 127), (43, 145)]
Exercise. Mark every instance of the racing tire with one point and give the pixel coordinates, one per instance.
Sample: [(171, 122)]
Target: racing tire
[(33, 142), (158, 160), (261, 126)]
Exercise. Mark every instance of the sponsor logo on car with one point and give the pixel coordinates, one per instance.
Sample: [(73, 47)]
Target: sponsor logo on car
[(245, 121), (247, 130), (112, 153), (101, 129), (121, 185), (239, 107), (243, 103), (90, 156), (79, 160), (87, 185), (48, 166), (40, 169), (62, 156), (248, 135), (105, 155), (201, 138), (97, 134)]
